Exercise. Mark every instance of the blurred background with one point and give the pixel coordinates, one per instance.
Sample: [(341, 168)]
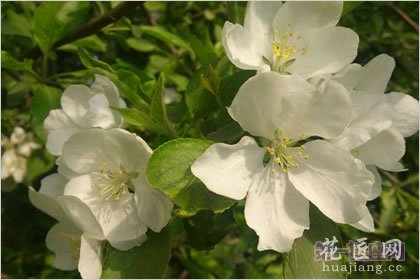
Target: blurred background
[(30, 89)]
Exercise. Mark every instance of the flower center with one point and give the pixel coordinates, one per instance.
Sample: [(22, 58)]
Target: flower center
[(112, 183), (284, 152), (285, 49)]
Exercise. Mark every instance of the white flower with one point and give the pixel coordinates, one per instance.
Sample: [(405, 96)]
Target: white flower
[(278, 180), (72, 247), (83, 108), (17, 149), (379, 121), (299, 38), (107, 171)]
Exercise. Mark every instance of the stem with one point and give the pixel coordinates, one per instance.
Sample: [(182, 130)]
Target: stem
[(44, 66), (405, 17)]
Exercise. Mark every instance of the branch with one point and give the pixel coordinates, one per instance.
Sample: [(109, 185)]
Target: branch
[(93, 26), (405, 17)]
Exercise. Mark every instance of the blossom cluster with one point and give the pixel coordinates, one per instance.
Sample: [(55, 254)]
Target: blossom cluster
[(100, 191), (318, 129), (322, 125)]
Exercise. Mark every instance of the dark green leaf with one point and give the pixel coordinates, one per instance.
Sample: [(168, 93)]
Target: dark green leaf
[(93, 63), (169, 170), (39, 162), (44, 100), (147, 261), (15, 24), (205, 229), (169, 38), (349, 6), (139, 119), (52, 21), (140, 45), (300, 261), (9, 62)]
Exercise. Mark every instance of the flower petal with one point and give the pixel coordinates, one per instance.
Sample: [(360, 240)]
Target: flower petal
[(64, 241), (405, 118), (99, 114), (302, 17), (328, 50), (104, 86), (276, 211), (366, 224), (271, 101), (75, 103), (87, 150), (365, 127), (384, 150), (153, 207), (90, 261), (229, 170), (57, 119), (117, 218), (240, 48), (45, 200), (349, 76), (377, 186), (332, 179), (57, 138)]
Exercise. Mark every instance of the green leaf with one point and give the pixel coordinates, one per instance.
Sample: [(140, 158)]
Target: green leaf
[(169, 170), (52, 21), (159, 32), (205, 229), (92, 63), (92, 42), (39, 162), (146, 261), (229, 133), (140, 45), (9, 62), (44, 100), (158, 110), (15, 24), (230, 85), (300, 261), (139, 119), (349, 6), (389, 211)]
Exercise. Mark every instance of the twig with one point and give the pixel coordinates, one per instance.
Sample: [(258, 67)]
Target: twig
[(93, 26), (405, 17), (394, 180)]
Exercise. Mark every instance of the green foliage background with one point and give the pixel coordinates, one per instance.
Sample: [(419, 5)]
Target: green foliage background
[(180, 39)]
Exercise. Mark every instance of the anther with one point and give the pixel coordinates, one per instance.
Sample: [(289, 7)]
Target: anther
[(277, 160)]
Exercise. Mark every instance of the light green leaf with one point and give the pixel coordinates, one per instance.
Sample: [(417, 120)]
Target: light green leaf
[(15, 24), (146, 261), (39, 162), (9, 62), (52, 21), (44, 100), (92, 42), (300, 261), (140, 45), (169, 170), (92, 63), (139, 119), (159, 32), (349, 6)]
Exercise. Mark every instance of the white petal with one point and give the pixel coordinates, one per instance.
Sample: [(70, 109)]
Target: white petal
[(57, 119), (365, 127), (405, 118), (90, 261), (153, 207), (384, 150), (349, 76), (80, 214), (376, 74), (229, 170), (276, 211), (99, 114), (64, 241), (328, 50), (103, 85), (64, 170), (366, 224), (128, 244), (271, 101), (258, 21), (45, 200), (332, 179), (301, 17), (75, 103), (377, 186), (240, 48), (87, 150), (117, 218), (57, 138)]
